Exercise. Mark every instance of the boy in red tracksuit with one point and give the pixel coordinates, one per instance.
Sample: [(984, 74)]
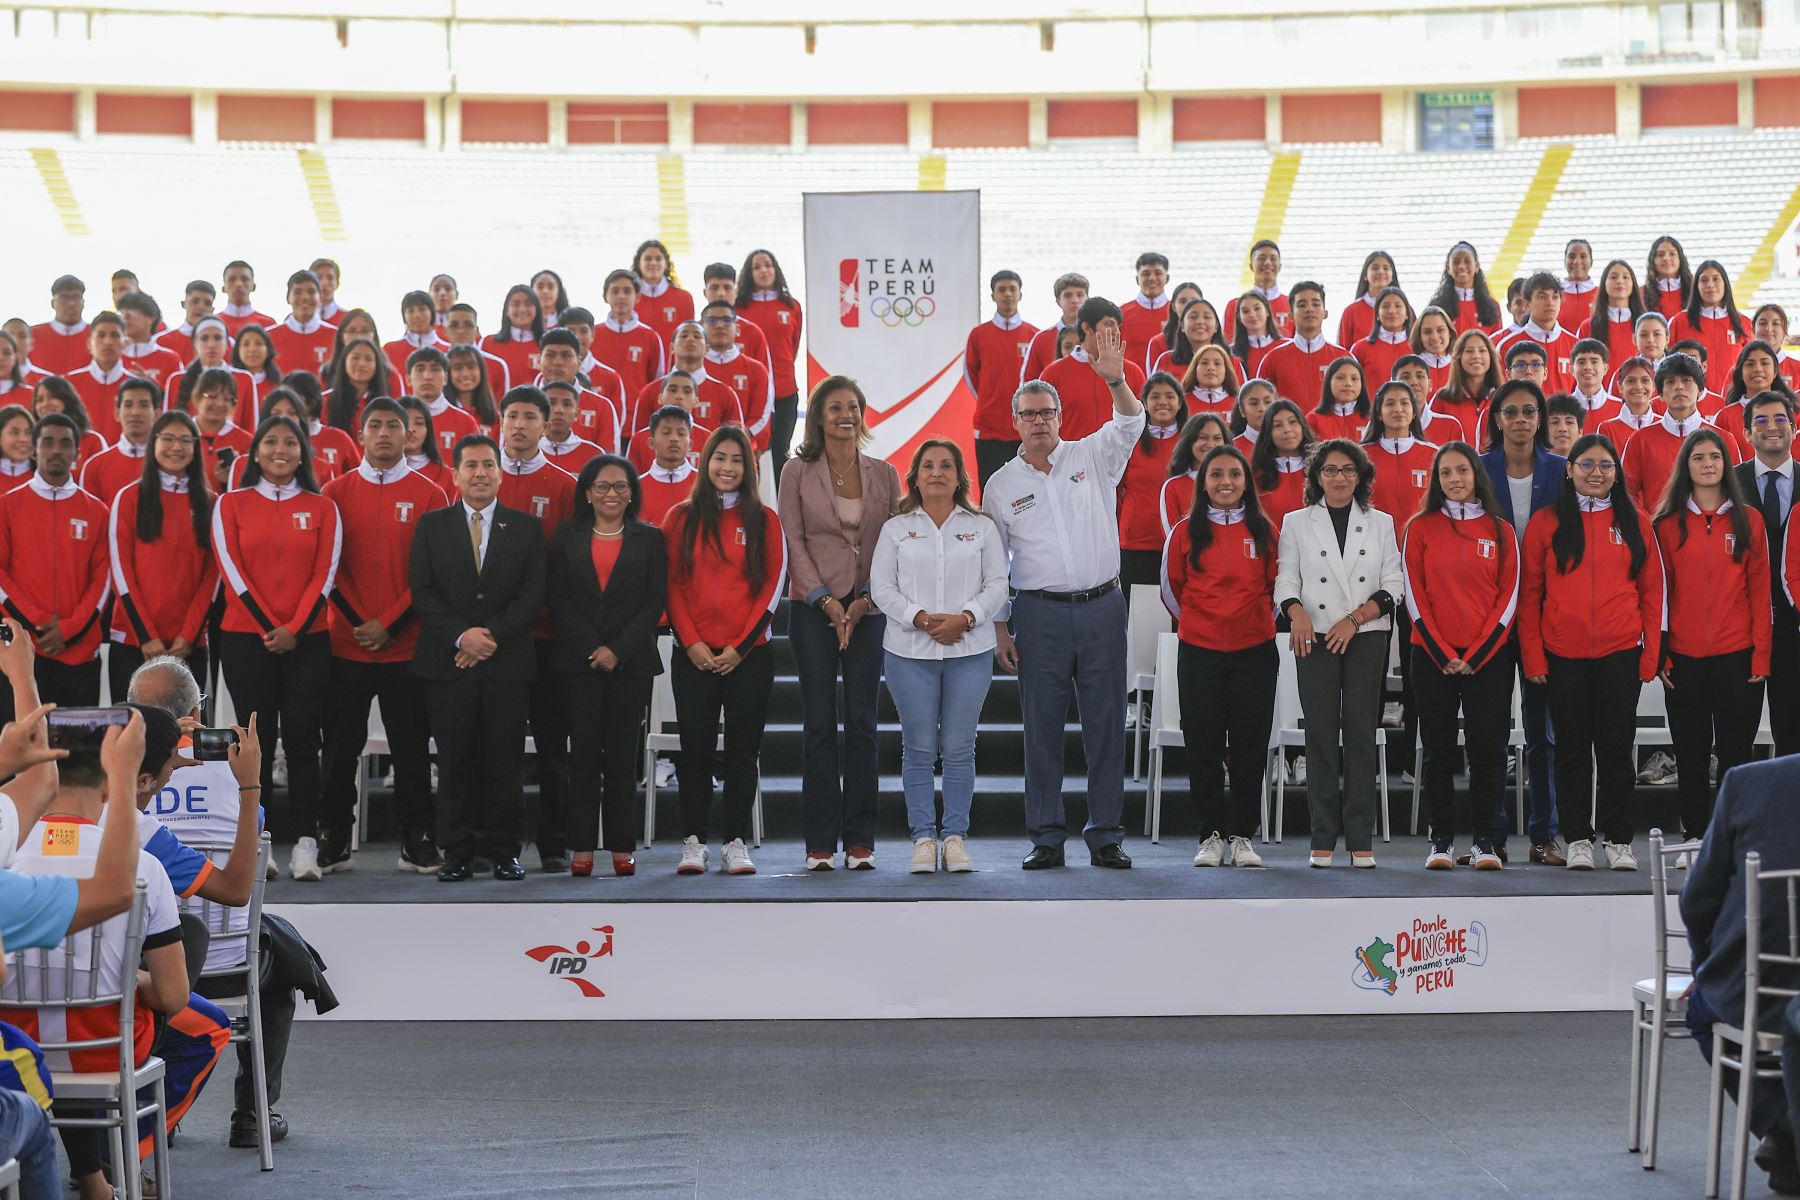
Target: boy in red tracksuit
[(624, 343), (1085, 399), (1648, 459), (560, 443), (60, 345), (54, 568), (1071, 292), (1142, 317), (597, 414), (373, 633), (668, 477), (740, 371), (1297, 366), (304, 339), (1543, 293), (993, 359), (427, 373)]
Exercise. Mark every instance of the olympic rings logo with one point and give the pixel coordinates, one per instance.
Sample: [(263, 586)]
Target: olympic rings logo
[(894, 313)]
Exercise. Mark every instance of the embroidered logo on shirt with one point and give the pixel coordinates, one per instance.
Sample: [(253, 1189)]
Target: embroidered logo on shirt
[(1023, 503), (1249, 547), (1419, 478), (1617, 538), (965, 537), (1484, 547), (1078, 476), (303, 521), (1731, 543), (540, 505), (403, 510), (741, 539), (78, 529)]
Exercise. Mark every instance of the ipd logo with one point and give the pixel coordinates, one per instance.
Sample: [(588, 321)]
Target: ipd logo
[(570, 964), (849, 294)]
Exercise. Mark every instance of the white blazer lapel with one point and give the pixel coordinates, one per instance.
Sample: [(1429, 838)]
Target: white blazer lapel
[(1356, 539)]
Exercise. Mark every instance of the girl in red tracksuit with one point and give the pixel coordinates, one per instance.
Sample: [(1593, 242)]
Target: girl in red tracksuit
[(727, 567), (1617, 306), (1343, 410), (1590, 624), (763, 300), (1667, 280), (1391, 338), (1404, 463), (1278, 465), (1469, 388), (277, 541), (1198, 437), (1462, 593), (1712, 319), (422, 450), (1140, 488), (163, 570), (1218, 581), (1715, 553)]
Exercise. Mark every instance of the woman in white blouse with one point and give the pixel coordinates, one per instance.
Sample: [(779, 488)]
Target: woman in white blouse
[(939, 575), (1339, 580)]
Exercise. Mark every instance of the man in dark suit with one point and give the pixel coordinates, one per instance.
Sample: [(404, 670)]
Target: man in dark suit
[(477, 580), (1755, 811), (1527, 477), (1768, 481)]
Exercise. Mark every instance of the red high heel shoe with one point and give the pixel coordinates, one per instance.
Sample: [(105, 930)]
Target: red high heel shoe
[(581, 867), (624, 864)]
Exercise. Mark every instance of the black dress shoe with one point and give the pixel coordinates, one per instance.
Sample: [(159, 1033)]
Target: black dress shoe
[(1042, 857), (508, 868), (553, 862), (1113, 856), (243, 1129), (455, 872)]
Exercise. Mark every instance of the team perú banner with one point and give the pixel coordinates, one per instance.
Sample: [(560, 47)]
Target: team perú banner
[(906, 270)]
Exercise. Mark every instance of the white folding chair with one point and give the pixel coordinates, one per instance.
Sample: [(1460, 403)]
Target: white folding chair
[(376, 745), (1291, 733), (1165, 725), (1658, 1004), (228, 928), (1146, 619), (1515, 741), (1757, 1053), (9, 1179), (1652, 729), (660, 736), (66, 977)]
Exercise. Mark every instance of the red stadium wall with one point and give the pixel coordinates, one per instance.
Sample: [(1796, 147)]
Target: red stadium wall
[(1778, 101), (391, 120), (1093, 118), (1341, 117), (172, 116), (266, 119), (959, 124), (51, 112), (1681, 105), (1221, 119), (856, 124), (743, 124), (1568, 111), (506, 121), (618, 124)]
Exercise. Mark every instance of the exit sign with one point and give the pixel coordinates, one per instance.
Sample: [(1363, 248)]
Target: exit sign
[(1457, 99)]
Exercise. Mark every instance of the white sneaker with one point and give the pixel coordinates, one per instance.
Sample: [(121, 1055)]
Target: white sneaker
[(1363, 860), (1581, 855), (693, 858), (1243, 854), (1442, 856), (956, 854), (1297, 772), (925, 857), (1483, 857), (1659, 768), (1619, 856), (1211, 852), (665, 772), (303, 864), (1131, 714), (737, 859)]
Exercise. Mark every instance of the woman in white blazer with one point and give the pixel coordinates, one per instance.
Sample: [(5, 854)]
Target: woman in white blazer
[(1339, 581)]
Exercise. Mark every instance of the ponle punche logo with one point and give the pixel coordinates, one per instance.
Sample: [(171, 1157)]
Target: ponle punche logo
[(571, 964), (898, 291), (1425, 957)]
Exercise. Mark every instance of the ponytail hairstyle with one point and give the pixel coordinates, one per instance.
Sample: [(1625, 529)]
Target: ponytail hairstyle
[(1674, 506), (200, 501), (1240, 336), (562, 297), (1256, 522), (702, 510), (1146, 442), (1435, 500), (1569, 542), (1182, 460), (1487, 309), (1239, 423), (1652, 293)]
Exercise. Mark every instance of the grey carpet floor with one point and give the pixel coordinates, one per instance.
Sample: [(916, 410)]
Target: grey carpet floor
[(1389, 1107)]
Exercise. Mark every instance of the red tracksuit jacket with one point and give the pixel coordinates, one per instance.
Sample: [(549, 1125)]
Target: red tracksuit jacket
[(1299, 375), (1596, 609), (1402, 476), (379, 512), (519, 355), (1176, 499), (1722, 342), (992, 361), (1087, 402), (1717, 605), (164, 587), (60, 353), (1140, 324), (663, 313), (278, 552), (107, 473), (755, 389), (1229, 604), (710, 602), (303, 349), (1648, 459), (1462, 584), (780, 326), (716, 402), (635, 353), (53, 563), (1140, 495)]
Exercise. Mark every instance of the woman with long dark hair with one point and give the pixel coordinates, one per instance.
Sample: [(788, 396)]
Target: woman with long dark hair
[(552, 297), (1377, 275), (763, 299), (254, 353), (1343, 410), (1433, 334), (940, 577), (1245, 422), (606, 576), (469, 389), (1462, 594), (1403, 458), (12, 365), (1618, 303), (1141, 487), (1463, 293), (358, 375), (1256, 333), (1218, 581), (1715, 554), (1712, 319), (1590, 626), (163, 571), (1195, 323), (1169, 340), (358, 325), (54, 394), (727, 566), (1339, 580), (1668, 281), (1469, 388), (1389, 340), (16, 448), (521, 328), (1210, 382), (1198, 438), (662, 303), (277, 543), (1278, 464), (422, 453)]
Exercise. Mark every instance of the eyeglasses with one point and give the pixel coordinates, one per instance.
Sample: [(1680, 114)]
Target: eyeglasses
[(1769, 421), (622, 488), (1036, 415), (179, 439), (1513, 412), (1604, 466), (1332, 472), (1528, 368)]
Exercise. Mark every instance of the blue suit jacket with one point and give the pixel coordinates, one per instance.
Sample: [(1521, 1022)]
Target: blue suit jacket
[(1757, 810), (1546, 480)]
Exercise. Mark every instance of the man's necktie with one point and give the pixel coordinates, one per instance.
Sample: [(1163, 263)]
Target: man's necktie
[(475, 539)]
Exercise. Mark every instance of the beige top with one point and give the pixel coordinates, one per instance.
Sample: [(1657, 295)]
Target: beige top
[(849, 515)]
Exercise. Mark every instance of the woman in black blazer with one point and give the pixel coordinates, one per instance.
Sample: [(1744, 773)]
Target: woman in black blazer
[(607, 579)]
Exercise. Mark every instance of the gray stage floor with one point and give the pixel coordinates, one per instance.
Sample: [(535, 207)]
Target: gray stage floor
[(1391, 1107), (1162, 871)]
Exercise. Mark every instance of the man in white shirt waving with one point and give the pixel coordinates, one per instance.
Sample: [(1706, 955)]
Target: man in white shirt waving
[(1056, 506)]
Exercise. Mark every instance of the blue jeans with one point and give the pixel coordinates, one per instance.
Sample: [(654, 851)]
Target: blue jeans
[(940, 702), (25, 1135)]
